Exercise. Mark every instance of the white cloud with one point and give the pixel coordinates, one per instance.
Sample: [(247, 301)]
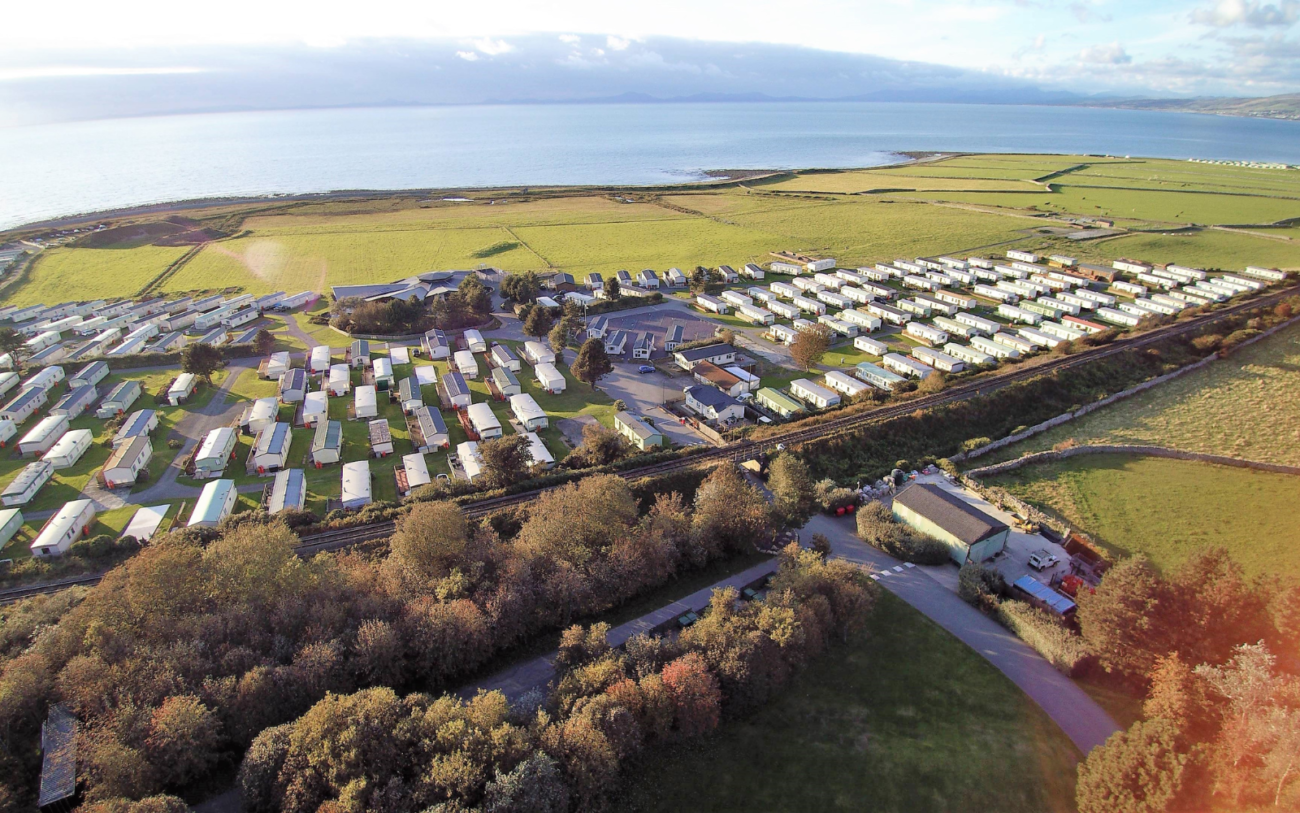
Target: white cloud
[(1252, 13), (616, 43), (1112, 54), (468, 56), (64, 71), (570, 39), (493, 47)]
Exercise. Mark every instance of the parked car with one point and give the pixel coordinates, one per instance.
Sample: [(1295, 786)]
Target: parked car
[(645, 368), (1042, 560)]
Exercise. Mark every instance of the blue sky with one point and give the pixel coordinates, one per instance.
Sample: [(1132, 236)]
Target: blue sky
[(1146, 47)]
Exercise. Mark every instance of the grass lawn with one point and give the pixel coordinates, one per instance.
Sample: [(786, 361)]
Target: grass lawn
[(62, 274), (903, 718), (1166, 509), (1242, 406)]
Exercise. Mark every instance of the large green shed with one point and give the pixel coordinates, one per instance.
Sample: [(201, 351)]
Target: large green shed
[(969, 533)]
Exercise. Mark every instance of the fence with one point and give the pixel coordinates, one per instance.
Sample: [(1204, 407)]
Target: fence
[(1150, 451)]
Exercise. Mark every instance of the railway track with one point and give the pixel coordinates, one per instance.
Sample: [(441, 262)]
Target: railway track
[(746, 448)]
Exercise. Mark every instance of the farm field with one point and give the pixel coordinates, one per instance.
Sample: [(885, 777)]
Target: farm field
[(1243, 406), (903, 718), (967, 203), (62, 274), (1166, 509)]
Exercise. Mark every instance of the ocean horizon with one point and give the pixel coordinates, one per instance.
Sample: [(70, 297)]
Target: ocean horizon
[(52, 171)]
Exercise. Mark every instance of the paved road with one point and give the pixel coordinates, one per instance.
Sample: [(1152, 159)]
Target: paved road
[(1083, 721)]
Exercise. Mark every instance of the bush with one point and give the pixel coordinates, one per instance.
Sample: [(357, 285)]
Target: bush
[(877, 527), (831, 497), (980, 586), (1062, 648)]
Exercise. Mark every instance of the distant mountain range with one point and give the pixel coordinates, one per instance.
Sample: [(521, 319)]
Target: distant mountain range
[(532, 69), (1286, 106)]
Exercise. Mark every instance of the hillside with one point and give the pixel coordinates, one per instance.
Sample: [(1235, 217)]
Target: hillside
[(1285, 106)]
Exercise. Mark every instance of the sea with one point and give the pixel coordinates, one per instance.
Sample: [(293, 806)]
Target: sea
[(56, 170)]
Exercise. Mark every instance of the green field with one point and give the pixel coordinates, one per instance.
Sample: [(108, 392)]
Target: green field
[(964, 204), (904, 718), (1167, 509), (1242, 406)]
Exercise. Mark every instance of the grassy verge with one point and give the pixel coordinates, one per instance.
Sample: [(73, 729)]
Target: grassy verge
[(903, 718)]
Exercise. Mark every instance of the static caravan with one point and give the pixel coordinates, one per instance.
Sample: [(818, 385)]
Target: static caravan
[(644, 346), (782, 334), (860, 296), (785, 268), (784, 290), (1117, 317), (42, 437), (475, 342), (383, 373), (784, 309), (1083, 324), (845, 383), (1062, 331), (1043, 307), (315, 408), (813, 394), (123, 467), (676, 278), (595, 282), (1039, 338), (869, 345), (1022, 344), (862, 319), (365, 403), (505, 382), (839, 326), (953, 327), (182, 388), (215, 503), (428, 430), (932, 336), (736, 298), (812, 306), (1015, 314), (11, 520), (996, 294), (46, 379), (293, 386), (88, 376), (458, 393), (931, 302), (215, 452), (47, 339), (538, 454), (381, 437), (967, 354), (268, 301), (129, 347), (994, 348), (906, 366), (711, 304), (503, 356), (807, 285), (71, 523), (537, 353), (549, 378), (260, 414), (466, 364), (409, 395), (359, 354), (340, 379), (7, 382), (320, 359), (673, 337), (119, 399), (238, 318), (728, 274), (938, 359), (1078, 301), (467, 454), (412, 474), (596, 329), (752, 271), (216, 338), (288, 492), (637, 431), (778, 402), (74, 402), (834, 299), (50, 355), (436, 345), (29, 481), (271, 449), (888, 313), (1269, 274), (985, 326), (484, 421), (7, 431), (327, 443), (298, 300), (919, 283), (174, 340), (831, 281)]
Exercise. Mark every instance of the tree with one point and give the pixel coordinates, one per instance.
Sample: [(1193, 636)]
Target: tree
[(521, 287), (558, 338), (534, 786), (505, 460), (791, 483), (696, 698), (14, 344), (600, 446), (183, 739), (810, 345), (1136, 771), (473, 295), (429, 541), (613, 291), (263, 342), (592, 362), (730, 514), (202, 360), (539, 322)]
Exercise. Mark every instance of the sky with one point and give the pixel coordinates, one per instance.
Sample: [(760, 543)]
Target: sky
[(1131, 47)]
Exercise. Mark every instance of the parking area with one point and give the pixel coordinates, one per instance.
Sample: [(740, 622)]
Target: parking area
[(657, 320)]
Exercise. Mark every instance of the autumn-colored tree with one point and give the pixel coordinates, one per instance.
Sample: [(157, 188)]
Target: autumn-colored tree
[(429, 541), (592, 362), (380, 659), (505, 460), (539, 322), (182, 740), (1135, 771), (697, 702), (730, 514), (810, 344), (600, 446), (1118, 619), (150, 804), (578, 522)]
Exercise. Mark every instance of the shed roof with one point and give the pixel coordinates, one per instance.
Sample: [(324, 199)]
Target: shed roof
[(774, 396), (949, 512), (715, 375), (124, 456), (59, 760), (711, 397), (287, 491), (274, 439), (329, 435), (707, 352), (638, 426), (212, 501), (215, 443)]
